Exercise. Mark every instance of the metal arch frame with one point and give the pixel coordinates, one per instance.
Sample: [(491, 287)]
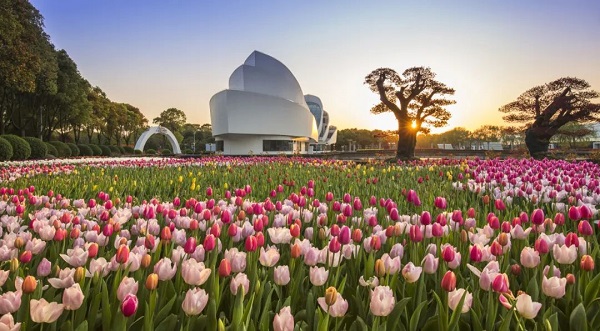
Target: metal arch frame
[(141, 142)]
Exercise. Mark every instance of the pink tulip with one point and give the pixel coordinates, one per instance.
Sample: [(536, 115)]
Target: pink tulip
[(41, 311), (392, 265), (382, 301), (430, 264), (284, 320), (455, 296), (7, 323), (129, 305), (195, 301), (194, 273), (239, 281), (574, 213), (339, 307), (4, 276), (318, 276), (554, 287), (165, 269), (499, 204), (415, 233), (269, 257), (564, 255), (526, 307), (75, 257), (73, 297), (500, 283), (440, 203), (584, 228), (448, 253), (411, 273), (537, 217), (530, 258), (190, 245), (475, 253), (64, 280), (281, 275), (10, 302)]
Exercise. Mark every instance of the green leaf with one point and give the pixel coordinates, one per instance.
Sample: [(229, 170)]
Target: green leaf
[(475, 321), (442, 313), (93, 314), (457, 312), (396, 314), (168, 324), (164, 312), (359, 325), (431, 324), (416, 316), (106, 309), (83, 326), (551, 323), (505, 325), (533, 289), (578, 319), (591, 291)]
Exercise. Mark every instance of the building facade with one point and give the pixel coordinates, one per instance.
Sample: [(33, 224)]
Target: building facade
[(263, 111)]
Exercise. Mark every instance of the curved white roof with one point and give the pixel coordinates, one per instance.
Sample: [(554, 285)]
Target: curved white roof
[(264, 74), (264, 98)]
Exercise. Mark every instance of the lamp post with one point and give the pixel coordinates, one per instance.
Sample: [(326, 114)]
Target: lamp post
[(194, 143)]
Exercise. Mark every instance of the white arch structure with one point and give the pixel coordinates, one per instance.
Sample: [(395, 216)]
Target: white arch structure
[(141, 142)]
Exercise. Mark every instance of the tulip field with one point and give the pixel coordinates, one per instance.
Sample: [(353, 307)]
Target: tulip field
[(261, 243)]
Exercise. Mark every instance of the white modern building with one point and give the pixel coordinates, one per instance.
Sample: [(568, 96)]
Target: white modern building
[(327, 132), (263, 112)]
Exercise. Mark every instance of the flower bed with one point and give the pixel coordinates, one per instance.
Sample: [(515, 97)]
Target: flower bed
[(285, 243)]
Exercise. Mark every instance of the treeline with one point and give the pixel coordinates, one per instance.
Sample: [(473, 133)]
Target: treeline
[(43, 94), (572, 135)]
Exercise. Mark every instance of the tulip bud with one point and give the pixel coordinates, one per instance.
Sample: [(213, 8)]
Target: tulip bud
[(152, 281), (448, 254), (146, 260), (295, 230), (79, 274), (165, 234), (570, 279), (14, 264), (29, 285), (25, 257), (503, 239), (379, 268), (541, 246), (296, 251), (224, 268), (129, 305), (375, 242), (330, 296), (515, 269), (496, 248), (19, 243), (449, 281), (464, 237), (122, 254), (357, 235), (587, 263), (209, 243)]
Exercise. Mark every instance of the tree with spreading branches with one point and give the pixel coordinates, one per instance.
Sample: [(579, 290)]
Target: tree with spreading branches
[(416, 99), (545, 109)]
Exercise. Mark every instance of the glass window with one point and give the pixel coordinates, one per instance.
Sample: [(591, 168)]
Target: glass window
[(277, 146), (219, 145)]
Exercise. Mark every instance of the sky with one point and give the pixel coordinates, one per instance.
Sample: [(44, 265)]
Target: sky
[(161, 54)]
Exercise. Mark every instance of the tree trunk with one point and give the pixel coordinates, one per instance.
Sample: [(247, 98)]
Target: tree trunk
[(407, 140), (537, 142)]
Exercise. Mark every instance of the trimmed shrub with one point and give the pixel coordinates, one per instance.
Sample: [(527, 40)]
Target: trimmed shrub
[(85, 150), (74, 149), (128, 150), (105, 150), (150, 151), (138, 152), (51, 149), (62, 148), (96, 149), (166, 152), (188, 151), (6, 150), (114, 150), (38, 147), (21, 149)]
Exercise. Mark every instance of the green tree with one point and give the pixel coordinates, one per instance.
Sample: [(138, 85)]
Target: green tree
[(172, 119), (415, 98), (574, 134), (546, 108), (487, 133)]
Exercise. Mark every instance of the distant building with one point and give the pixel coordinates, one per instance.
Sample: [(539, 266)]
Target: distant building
[(265, 112), (327, 133)]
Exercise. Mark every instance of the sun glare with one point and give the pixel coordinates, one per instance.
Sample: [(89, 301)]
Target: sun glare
[(414, 125)]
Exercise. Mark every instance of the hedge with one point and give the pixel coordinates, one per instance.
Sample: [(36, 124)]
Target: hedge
[(21, 149), (62, 148), (85, 150), (74, 149), (51, 149), (105, 150), (6, 150), (96, 149), (114, 150), (38, 148)]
